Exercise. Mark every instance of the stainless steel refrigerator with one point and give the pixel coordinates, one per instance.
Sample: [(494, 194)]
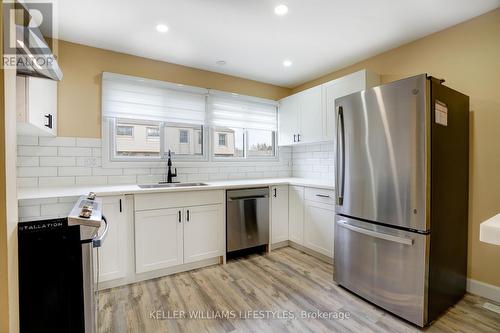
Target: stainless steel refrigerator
[(402, 196)]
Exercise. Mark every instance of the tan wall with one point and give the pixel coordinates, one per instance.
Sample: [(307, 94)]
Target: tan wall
[(79, 108), (468, 57), (4, 286)]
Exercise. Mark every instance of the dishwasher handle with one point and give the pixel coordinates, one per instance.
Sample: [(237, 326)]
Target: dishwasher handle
[(250, 197)]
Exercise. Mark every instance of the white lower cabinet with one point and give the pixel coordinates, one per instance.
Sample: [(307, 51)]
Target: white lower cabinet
[(175, 236), (203, 232), (158, 239), (296, 214), (318, 227), (279, 213), (113, 254)]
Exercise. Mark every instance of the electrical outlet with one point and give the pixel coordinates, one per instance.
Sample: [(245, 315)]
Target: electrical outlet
[(90, 162)]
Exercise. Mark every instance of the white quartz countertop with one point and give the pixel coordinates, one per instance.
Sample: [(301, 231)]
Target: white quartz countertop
[(106, 190), (489, 230)]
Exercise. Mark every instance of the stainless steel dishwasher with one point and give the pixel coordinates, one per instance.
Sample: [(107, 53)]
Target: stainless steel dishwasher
[(247, 218)]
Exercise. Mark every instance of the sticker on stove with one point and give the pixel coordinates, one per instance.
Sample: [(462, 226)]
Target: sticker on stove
[(441, 113)]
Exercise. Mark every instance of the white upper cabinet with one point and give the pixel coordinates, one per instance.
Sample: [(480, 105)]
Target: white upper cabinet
[(36, 106), (343, 86), (309, 116), (288, 120)]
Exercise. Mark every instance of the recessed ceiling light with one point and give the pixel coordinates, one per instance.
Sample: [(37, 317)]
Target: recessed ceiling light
[(220, 62), (161, 28), (287, 63), (280, 10)]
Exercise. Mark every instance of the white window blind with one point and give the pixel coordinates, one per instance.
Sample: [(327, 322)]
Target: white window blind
[(135, 98), (242, 112)]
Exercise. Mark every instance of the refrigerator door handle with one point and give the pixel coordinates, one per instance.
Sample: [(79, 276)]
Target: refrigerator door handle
[(391, 238), (342, 162)]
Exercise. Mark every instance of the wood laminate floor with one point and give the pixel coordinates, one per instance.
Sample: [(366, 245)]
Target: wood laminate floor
[(286, 281)]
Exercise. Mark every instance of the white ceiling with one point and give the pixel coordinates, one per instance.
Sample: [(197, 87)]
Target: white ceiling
[(319, 36)]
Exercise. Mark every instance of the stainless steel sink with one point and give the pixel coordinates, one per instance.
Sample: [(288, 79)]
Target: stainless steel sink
[(167, 185)]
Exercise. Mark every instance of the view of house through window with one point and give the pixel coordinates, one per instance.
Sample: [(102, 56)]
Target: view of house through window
[(228, 142), (183, 139), (137, 139)]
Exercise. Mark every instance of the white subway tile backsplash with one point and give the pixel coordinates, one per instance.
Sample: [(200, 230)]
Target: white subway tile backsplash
[(33, 202), (57, 161), (64, 161), (28, 161), (137, 171), (74, 151), (88, 142), (97, 152), (58, 141), (89, 162), (106, 172), (91, 180), (36, 151), (313, 161), (36, 171), (57, 209), (122, 179), (27, 181), (29, 211), (55, 181), (74, 171), (23, 140)]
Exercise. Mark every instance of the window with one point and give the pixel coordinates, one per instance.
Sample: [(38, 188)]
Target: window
[(260, 143), (133, 140), (183, 136), (228, 142), (145, 118), (179, 140), (222, 139), (124, 130), (243, 127), (153, 132)]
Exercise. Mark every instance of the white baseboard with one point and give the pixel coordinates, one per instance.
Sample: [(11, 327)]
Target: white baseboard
[(482, 289)]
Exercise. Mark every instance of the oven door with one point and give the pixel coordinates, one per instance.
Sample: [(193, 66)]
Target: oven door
[(91, 241), (384, 265)]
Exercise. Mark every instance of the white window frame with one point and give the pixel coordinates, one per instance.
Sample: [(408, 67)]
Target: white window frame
[(245, 157)]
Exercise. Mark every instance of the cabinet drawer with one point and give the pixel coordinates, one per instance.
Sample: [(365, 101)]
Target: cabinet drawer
[(177, 199), (320, 195)]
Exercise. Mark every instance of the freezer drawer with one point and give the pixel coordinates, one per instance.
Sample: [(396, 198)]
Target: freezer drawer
[(383, 265)]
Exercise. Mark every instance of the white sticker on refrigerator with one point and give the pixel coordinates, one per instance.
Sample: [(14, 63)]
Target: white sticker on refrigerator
[(441, 113)]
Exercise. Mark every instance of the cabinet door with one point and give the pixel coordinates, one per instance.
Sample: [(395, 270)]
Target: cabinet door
[(113, 253), (42, 104), (158, 239), (311, 120), (203, 232), (296, 214), (279, 213), (318, 227), (288, 114), (341, 87)]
